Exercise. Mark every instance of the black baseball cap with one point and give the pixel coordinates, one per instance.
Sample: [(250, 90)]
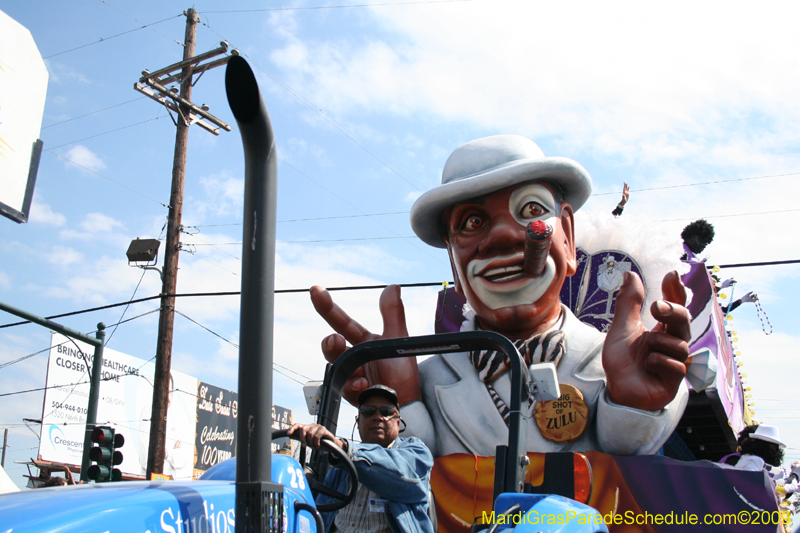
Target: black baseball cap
[(382, 390)]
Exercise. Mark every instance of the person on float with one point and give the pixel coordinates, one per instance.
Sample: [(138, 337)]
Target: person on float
[(761, 448), (624, 390), (393, 472), (696, 236), (626, 192)]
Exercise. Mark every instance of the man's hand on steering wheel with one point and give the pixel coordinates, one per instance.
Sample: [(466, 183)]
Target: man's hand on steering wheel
[(318, 437), (312, 435)]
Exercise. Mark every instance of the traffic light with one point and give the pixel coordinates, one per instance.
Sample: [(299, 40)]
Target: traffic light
[(104, 456)]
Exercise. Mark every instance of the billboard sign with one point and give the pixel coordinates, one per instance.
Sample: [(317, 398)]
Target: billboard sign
[(215, 436), (201, 418), (281, 419), (125, 401), (23, 86)]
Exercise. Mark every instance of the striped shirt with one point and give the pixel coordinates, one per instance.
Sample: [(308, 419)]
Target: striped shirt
[(357, 517)]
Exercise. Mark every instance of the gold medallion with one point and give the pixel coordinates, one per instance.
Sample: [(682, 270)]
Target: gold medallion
[(564, 419)]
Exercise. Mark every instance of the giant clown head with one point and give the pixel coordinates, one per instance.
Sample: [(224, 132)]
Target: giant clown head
[(491, 189)]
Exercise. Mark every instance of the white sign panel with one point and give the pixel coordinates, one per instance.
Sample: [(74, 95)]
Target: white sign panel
[(125, 401), (23, 86)]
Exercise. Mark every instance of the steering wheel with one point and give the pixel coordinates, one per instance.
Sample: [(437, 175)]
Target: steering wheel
[(319, 487)]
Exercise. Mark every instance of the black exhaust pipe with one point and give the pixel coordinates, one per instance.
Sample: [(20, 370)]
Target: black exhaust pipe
[(259, 503)]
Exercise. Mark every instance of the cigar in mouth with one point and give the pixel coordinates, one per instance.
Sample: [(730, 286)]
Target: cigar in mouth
[(537, 247)]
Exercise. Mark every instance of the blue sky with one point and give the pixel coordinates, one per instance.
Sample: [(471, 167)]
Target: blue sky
[(367, 103)]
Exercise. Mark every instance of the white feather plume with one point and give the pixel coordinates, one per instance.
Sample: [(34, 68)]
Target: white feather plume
[(655, 251)]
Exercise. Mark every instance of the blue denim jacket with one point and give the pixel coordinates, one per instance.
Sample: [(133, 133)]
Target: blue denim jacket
[(400, 474)]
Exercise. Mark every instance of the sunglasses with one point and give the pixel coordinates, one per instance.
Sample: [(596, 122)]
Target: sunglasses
[(368, 411)]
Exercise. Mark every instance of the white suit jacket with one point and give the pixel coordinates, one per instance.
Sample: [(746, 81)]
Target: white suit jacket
[(457, 415)]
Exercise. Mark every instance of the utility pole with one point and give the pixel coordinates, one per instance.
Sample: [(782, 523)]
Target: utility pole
[(155, 85), (5, 443)]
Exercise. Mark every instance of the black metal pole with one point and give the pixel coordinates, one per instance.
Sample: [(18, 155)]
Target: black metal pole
[(97, 365), (94, 395), (254, 426)]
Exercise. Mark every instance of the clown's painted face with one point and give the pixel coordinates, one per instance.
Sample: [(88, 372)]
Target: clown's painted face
[(486, 241)]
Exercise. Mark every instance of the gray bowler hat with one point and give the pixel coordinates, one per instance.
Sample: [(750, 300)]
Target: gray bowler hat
[(487, 165)]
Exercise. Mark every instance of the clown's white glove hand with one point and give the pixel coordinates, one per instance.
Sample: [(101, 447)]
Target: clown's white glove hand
[(727, 283)]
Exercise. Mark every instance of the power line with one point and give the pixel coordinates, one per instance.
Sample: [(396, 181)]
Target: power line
[(217, 265), (729, 216), (109, 131), (356, 208), (214, 245), (701, 183), (293, 371), (230, 293), (339, 7), (346, 216), (237, 346), (762, 263), (302, 242), (193, 321), (284, 374), (106, 177), (782, 400), (104, 39), (140, 22), (56, 386), (15, 361), (595, 194), (38, 389), (9, 363), (329, 289), (92, 113), (309, 219)]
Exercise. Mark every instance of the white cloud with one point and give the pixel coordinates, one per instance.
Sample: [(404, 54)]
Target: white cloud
[(60, 72), (98, 226), (412, 196), (225, 359), (5, 280), (222, 196), (85, 158), (209, 271), (42, 213), (645, 84), (63, 255), (107, 280), (100, 223), (303, 265), (299, 150)]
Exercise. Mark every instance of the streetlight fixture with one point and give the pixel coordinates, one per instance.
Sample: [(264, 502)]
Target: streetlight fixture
[(143, 253)]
